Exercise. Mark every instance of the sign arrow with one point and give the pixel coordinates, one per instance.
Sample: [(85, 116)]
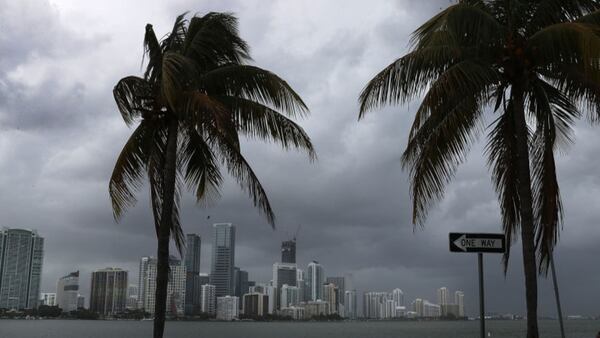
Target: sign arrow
[(474, 242), (460, 243)]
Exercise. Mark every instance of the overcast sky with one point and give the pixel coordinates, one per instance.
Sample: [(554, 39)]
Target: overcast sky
[(60, 133)]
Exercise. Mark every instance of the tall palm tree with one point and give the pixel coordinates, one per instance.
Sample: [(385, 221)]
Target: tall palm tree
[(196, 97), (536, 64)]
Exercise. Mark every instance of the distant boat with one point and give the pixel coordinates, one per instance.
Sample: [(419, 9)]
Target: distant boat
[(146, 319)]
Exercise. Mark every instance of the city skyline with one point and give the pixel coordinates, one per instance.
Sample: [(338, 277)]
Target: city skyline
[(352, 203), (284, 294), (396, 295)]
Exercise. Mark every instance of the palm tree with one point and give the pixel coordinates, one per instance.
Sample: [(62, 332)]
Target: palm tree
[(196, 97), (536, 65)]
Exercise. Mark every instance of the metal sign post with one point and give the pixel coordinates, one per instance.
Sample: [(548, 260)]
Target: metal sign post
[(479, 243)]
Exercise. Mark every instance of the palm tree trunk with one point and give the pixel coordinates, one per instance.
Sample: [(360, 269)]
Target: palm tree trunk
[(162, 268), (526, 211)]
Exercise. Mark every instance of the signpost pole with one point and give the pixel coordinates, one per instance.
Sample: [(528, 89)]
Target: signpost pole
[(481, 296)]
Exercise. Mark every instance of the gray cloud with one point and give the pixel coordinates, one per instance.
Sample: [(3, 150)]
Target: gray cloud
[(60, 134)]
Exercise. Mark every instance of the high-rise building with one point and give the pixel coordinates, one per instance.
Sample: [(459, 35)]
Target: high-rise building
[(175, 286), (240, 285), (192, 271), (294, 312), (316, 308), (283, 273), (228, 308), (21, 258), (223, 259), (109, 291), (374, 304), (132, 296), (418, 307), (80, 302), (330, 295), (256, 304), (350, 305), (289, 296), (48, 299), (204, 278), (442, 294), (424, 308), (67, 291), (208, 299), (288, 252), (398, 297), (301, 284), (265, 289), (315, 279), (459, 300), (340, 283)]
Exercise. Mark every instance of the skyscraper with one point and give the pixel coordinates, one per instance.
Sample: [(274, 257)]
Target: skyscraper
[(132, 296), (398, 297), (288, 251), (175, 286), (21, 258), (350, 304), (67, 291), (301, 284), (80, 302), (283, 274), (240, 285), (228, 308), (374, 304), (204, 278), (330, 295), (108, 294), (192, 277), (315, 279), (459, 300), (208, 299), (48, 298), (340, 283), (288, 296), (223, 259), (442, 294), (256, 304)]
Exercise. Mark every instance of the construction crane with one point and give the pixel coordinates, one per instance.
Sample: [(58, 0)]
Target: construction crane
[(297, 231)]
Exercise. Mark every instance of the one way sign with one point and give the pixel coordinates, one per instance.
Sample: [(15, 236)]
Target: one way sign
[(471, 242)]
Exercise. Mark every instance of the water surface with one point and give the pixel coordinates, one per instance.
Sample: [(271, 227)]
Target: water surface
[(135, 329)]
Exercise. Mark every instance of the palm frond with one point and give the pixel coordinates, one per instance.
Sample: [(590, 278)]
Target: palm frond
[(502, 156), (447, 123), (406, 78), (544, 100), (465, 78), (175, 40), (469, 22), (134, 99), (199, 166), (259, 121), (178, 73), (213, 40), (547, 201), (154, 52), (129, 170), (550, 12), (591, 18), (577, 84), (566, 43), (255, 84), (240, 169)]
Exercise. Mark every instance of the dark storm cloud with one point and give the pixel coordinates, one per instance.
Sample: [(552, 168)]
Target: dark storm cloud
[(60, 134)]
